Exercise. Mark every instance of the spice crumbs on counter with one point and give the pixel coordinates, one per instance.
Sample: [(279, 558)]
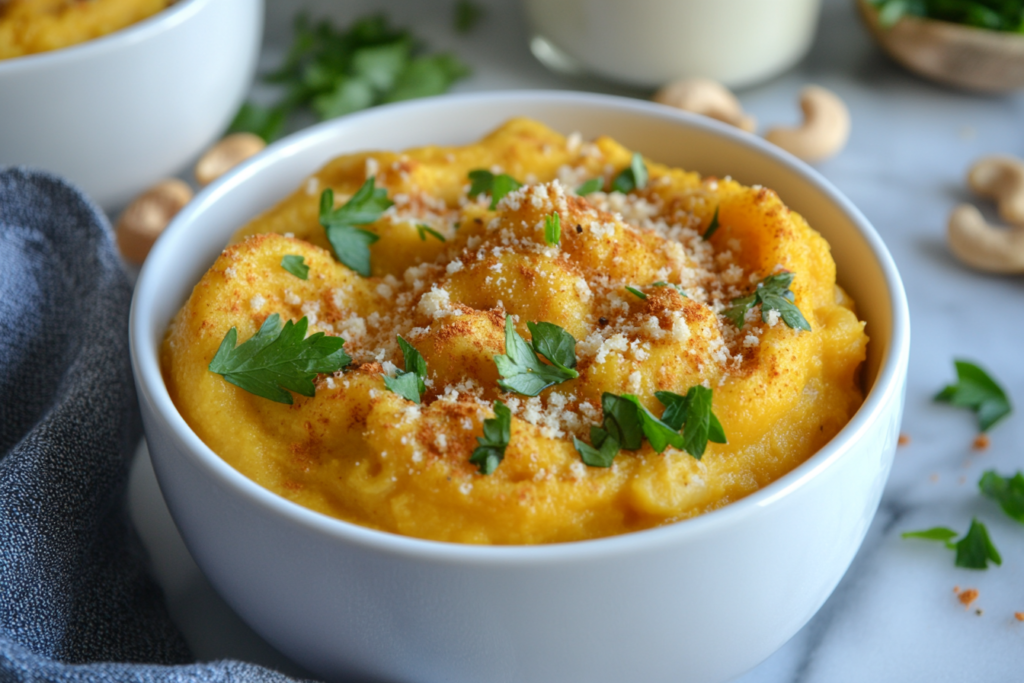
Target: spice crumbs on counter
[(981, 442), (903, 440)]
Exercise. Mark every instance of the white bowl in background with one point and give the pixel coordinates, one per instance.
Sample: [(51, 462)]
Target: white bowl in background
[(700, 600), (649, 43), (118, 113)]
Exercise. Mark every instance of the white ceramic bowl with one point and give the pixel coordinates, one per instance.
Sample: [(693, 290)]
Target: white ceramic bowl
[(118, 113), (649, 43), (701, 600)]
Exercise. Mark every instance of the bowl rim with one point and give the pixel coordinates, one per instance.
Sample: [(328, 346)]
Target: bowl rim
[(153, 391), (166, 19)]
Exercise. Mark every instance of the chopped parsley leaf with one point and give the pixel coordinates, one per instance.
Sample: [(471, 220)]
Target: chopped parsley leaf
[(974, 551), (425, 230), (277, 359), (712, 226), (484, 182), (773, 294), (592, 185), (693, 410), (1007, 491), (552, 228), (633, 177), (636, 292), (497, 433), (679, 289), (627, 423), (295, 265), (352, 245), (522, 372), (409, 383), (976, 390)]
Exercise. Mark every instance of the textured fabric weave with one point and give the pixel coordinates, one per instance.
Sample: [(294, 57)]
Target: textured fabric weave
[(76, 602)]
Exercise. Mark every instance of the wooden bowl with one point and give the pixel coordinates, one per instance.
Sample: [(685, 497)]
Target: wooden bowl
[(952, 54)]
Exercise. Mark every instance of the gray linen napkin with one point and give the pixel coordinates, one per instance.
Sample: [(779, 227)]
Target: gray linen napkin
[(76, 601)]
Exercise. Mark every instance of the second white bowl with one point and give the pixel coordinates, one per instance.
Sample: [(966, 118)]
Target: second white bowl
[(118, 113)]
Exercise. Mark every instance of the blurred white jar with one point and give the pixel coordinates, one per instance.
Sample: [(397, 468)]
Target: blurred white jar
[(651, 42)]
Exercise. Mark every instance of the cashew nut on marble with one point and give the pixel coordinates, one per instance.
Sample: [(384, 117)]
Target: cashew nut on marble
[(983, 246), (708, 98), (225, 155), (147, 216), (825, 129), (1002, 179)]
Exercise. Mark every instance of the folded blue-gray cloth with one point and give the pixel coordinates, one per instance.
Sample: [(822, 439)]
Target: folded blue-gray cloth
[(76, 601)]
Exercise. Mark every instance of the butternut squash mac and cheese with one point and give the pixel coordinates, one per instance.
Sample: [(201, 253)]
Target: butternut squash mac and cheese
[(545, 339)]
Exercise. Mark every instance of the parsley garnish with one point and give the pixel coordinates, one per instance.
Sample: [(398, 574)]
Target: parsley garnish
[(352, 245), (336, 72), (627, 423), (592, 185), (425, 230), (485, 182), (266, 122), (974, 551), (634, 177), (552, 228), (693, 410), (409, 383), (679, 289), (293, 263), (712, 226), (467, 15), (523, 372), (1007, 15), (636, 292), (275, 359), (773, 294), (1007, 491), (497, 433), (979, 392)]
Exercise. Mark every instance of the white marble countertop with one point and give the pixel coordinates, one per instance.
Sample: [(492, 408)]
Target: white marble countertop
[(894, 617)]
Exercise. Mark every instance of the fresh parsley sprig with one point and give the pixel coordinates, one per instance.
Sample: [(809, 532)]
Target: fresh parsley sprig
[(295, 265), (423, 230), (352, 245), (277, 359), (999, 15), (1007, 491), (336, 72), (552, 228), (524, 373), (974, 551), (497, 433), (409, 383), (773, 294), (976, 390), (633, 177), (482, 181), (592, 185)]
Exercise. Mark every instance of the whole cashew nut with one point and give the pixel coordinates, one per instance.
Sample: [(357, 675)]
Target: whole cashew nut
[(825, 129), (225, 155), (708, 98), (983, 246), (146, 217), (1001, 178)]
